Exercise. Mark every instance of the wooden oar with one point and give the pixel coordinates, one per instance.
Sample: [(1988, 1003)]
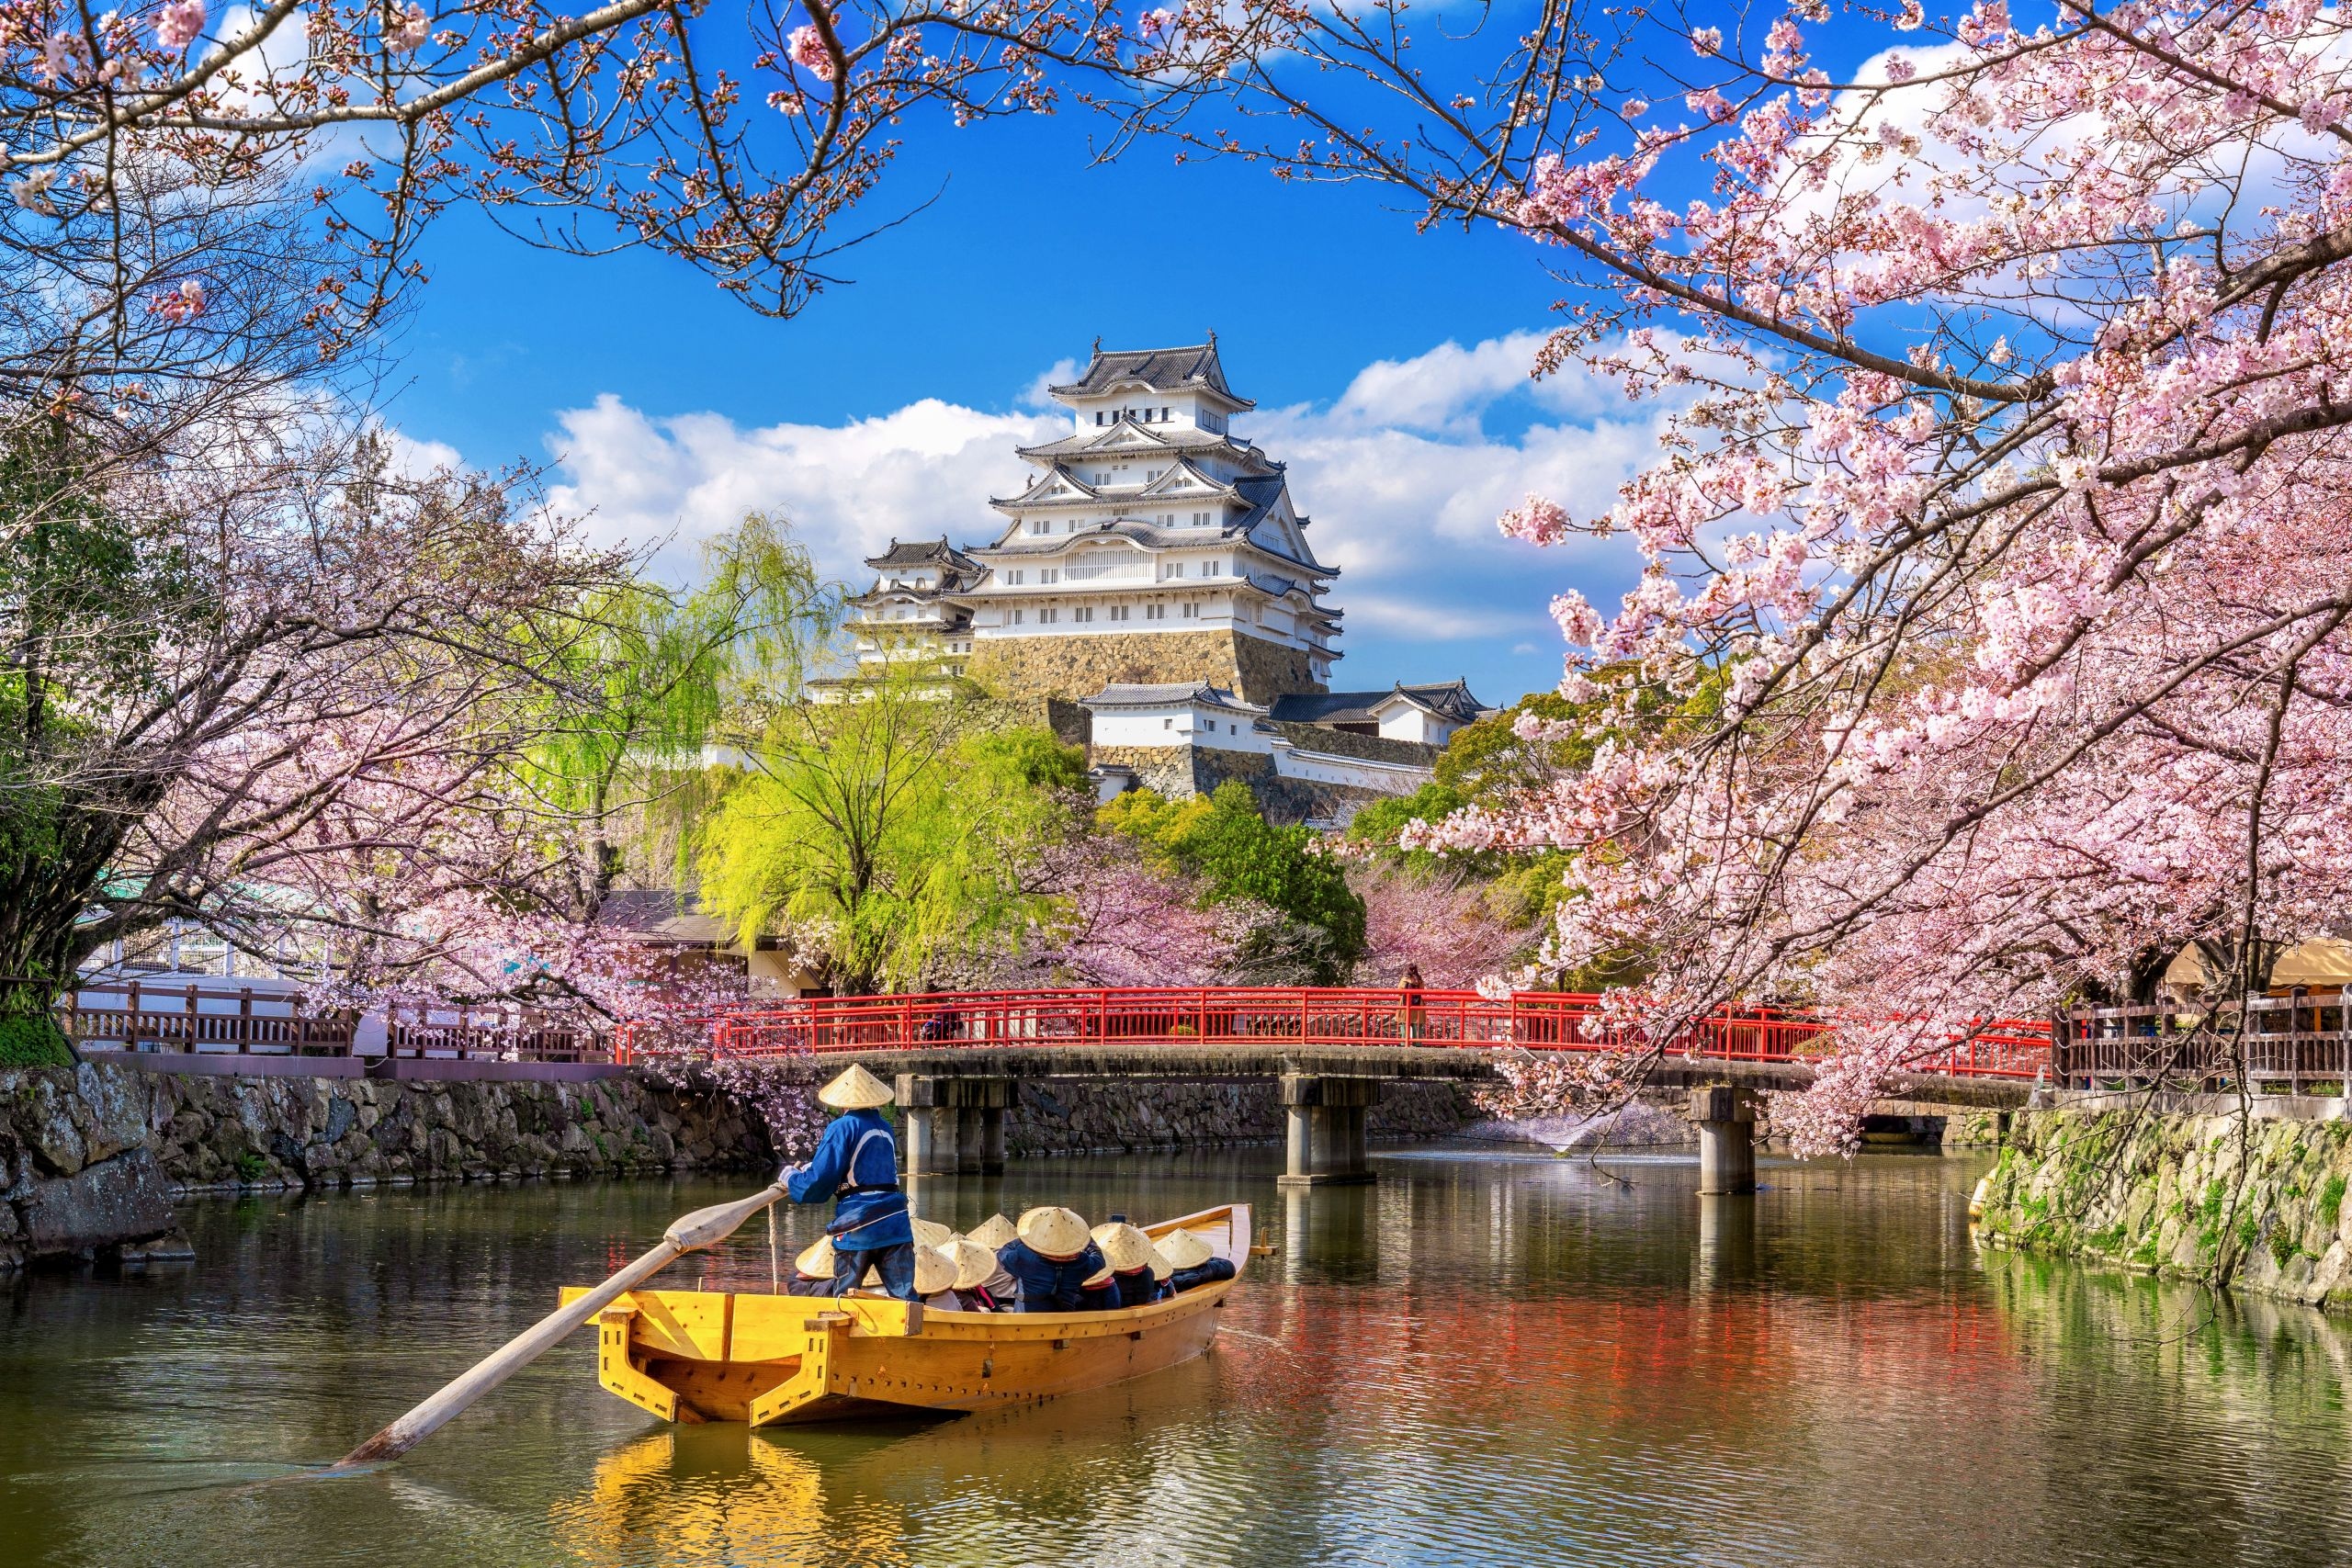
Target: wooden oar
[(692, 1233)]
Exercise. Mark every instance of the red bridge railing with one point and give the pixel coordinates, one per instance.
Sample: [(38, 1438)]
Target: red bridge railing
[(1536, 1021)]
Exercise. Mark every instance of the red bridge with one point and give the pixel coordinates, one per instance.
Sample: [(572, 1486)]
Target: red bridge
[(959, 1057), (1273, 1017)]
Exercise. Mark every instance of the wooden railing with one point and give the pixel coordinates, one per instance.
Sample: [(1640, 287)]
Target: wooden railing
[(241, 1020), (197, 1018), (494, 1035), (2294, 1044)]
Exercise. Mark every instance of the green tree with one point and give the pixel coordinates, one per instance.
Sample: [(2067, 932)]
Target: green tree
[(887, 829), (1240, 856), (634, 704)]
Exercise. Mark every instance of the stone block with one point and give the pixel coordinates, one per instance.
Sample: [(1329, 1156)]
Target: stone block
[(123, 1199)]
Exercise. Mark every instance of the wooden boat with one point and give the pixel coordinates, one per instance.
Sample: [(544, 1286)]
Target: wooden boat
[(736, 1356)]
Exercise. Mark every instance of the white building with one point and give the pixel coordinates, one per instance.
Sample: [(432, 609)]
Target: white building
[(1151, 541), (909, 616), (1184, 739)]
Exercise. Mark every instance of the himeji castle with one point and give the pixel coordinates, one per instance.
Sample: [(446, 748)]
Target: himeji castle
[(1154, 570), (1150, 543)]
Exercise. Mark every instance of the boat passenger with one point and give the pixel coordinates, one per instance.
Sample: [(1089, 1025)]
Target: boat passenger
[(929, 1233), (813, 1272), (1050, 1258), (1196, 1261), (856, 1165), (981, 1283), (935, 1280), (1129, 1253), (992, 1233), (1099, 1292)]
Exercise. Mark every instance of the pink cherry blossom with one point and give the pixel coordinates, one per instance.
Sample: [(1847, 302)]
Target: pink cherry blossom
[(807, 46), (179, 24)]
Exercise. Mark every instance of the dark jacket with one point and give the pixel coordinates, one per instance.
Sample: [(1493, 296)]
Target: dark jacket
[(1208, 1273), (1135, 1287), (857, 1152), (1044, 1284)]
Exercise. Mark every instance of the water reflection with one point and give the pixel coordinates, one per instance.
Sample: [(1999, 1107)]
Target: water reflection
[(1485, 1357)]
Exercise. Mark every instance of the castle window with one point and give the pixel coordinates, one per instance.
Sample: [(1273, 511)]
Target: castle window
[(1118, 611), (1155, 612), (1084, 613), (1167, 724), (1098, 416), (1012, 578), (1038, 525), (1191, 610), (1016, 617), (1050, 574)]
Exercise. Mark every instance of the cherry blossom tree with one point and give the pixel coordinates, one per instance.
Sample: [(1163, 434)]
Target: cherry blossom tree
[(1440, 923), (249, 693), (1104, 917), (737, 144), (2000, 505)]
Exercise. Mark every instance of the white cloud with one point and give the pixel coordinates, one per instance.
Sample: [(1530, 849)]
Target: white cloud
[(921, 471), (1039, 393), (1400, 474)]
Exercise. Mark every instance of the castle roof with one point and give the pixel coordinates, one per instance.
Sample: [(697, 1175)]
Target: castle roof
[(922, 552), (1128, 438), (1451, 700), (1192, 368), (1151, 536), (1199, 693)]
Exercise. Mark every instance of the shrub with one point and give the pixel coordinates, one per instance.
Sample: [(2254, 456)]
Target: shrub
[(33, 1040)]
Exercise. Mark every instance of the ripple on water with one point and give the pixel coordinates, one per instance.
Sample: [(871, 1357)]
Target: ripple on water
[(1493, 1357)]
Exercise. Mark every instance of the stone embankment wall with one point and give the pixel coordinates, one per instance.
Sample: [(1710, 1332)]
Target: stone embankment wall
[(1072, 1116), (92, 1155), (2255, 1205), (221, 1134)]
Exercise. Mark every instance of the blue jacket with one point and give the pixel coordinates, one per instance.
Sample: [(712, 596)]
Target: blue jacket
[(1046, 1285), (857, 1150), (1135, 1287), (1208, 1273)]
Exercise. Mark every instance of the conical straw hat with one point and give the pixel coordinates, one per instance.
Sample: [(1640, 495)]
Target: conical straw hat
[(856, 1090), (1187, 1249), (930, 1233), (975, 1264), (1053, 1233), (935, 1271), (1100, 1277), (817, 1262), (1126, 1246), (1161, 1267), (993, 1231)]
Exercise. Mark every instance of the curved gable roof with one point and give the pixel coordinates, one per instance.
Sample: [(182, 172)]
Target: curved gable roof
[(1193, 367)]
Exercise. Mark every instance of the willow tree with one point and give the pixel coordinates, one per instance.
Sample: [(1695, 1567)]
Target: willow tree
[(624, 762), (885, 829)]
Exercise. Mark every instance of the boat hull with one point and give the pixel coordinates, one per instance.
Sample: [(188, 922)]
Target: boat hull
[(769, 1360)]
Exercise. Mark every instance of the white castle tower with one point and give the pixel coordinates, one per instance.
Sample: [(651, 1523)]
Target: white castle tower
[(1150, 545)]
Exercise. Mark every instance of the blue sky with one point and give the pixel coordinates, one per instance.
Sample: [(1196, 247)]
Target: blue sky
[(1388, 366)]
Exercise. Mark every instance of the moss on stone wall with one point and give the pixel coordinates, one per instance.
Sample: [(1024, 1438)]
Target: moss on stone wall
[(2254, 1205)]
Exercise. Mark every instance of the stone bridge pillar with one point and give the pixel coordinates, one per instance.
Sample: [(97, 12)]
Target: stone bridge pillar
[(954, 1126), (1325, 1129), (1726, 1119)]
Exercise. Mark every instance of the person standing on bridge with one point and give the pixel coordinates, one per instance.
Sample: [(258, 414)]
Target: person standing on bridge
[(856, 1166), (1412, 1010)]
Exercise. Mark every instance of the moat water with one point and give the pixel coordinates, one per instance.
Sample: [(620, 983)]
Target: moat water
[(1488, 1358)]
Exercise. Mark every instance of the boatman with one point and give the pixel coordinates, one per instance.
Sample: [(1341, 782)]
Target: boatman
[(856, 1166)]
